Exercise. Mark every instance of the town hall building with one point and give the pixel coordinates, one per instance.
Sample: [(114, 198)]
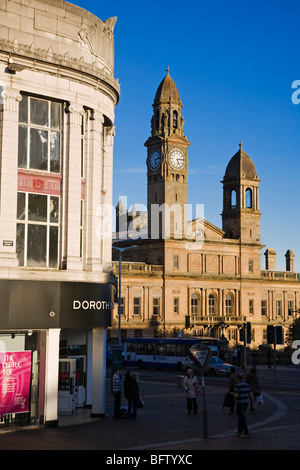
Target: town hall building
[(189, 277)]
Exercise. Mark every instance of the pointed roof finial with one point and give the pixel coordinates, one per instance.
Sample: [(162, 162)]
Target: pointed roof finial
[(241, 144), (168, 69)]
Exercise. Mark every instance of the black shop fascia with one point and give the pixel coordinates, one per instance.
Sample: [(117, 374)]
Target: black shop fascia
[(46, 304)]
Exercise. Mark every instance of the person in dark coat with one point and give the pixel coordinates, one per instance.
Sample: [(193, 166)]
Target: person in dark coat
[(131, 392)]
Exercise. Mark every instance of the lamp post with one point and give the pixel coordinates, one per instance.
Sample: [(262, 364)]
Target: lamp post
[(120, 250)]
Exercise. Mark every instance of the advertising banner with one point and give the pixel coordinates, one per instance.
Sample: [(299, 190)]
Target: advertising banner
[(15, 375)]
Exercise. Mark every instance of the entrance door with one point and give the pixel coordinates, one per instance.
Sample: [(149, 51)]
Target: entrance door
[(80, 380), (66, 387)]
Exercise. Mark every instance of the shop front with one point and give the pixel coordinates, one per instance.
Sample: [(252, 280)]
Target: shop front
[(52, 349)]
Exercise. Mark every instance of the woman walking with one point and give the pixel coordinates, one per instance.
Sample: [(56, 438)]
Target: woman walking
[(131, 392), (190, 383)]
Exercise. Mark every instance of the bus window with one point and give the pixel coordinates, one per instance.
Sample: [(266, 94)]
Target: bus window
[(180, 350), (150, 349), (159, 350), (170, 349), (140, 348)]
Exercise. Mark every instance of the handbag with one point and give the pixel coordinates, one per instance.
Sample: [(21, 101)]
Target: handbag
[(197, 390), (228, 400), (140, 403), (260, 400)]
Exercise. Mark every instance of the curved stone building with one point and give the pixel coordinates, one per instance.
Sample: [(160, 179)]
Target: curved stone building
[(58, 98)]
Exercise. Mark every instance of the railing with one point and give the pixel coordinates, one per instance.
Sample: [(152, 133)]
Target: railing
[(281, 275), (136, 266), (216, 319)]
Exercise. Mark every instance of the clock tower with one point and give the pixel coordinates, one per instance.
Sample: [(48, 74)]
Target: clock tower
[(167, 165)]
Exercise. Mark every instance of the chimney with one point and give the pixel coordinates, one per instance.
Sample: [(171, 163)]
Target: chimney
[(270, 259), (289, 256)]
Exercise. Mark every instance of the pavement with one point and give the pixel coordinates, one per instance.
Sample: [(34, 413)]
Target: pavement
[(164, 426)]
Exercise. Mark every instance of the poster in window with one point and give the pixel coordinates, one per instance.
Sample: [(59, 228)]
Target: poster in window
[(15, 375)]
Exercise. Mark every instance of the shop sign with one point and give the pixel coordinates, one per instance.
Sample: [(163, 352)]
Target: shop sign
[(15, 375)]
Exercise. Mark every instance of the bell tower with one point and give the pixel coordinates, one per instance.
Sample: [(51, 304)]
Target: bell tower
[(241, 214), (167, 165)]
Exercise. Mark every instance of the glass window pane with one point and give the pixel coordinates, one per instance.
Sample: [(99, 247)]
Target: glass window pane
[(21, 206), (39, 112), (55, 115), (55, 152), (53, 247), (36, 245), (22, 147), (39, 149), (54, 209), (20, 243), (37, 207), (23, 109)]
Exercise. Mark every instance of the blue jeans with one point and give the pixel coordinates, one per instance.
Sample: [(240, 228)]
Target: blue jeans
[(241, 409)]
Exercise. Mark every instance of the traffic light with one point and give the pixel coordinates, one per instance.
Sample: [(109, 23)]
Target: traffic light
[(242, 334), (248, 332), (270, 334), (279, 335)]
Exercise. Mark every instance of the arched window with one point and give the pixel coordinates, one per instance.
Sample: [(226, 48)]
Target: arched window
[(248, 198), (194, 304), (233, 199), (175, 119), (228, 304), (211, 304), (156, 120)]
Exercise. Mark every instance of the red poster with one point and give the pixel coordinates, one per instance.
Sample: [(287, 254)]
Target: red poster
[(15, 375)]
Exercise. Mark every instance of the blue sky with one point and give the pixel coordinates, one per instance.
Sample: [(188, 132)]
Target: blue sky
[(234, 63)]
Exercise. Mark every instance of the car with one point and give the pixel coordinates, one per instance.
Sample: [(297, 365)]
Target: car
[(217, 366)]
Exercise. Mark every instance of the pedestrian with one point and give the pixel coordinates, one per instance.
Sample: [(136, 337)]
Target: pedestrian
[(252, 381), (232, 382), (234, 356), (117, 385), (254, 355), (242, 392), (132, 393), (269, 358), (190, 384)]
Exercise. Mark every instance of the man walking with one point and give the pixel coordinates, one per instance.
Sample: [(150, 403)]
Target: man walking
[(241, 393)]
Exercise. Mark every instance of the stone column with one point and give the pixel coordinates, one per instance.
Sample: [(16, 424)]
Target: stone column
[(94, 228), (10, 99), (72, 189), (51, 377), (107, 178), (99, 372)]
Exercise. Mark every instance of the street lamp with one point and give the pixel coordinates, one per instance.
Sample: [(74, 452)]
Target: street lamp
[(120, 250)]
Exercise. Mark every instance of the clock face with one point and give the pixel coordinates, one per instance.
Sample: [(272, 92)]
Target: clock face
[(177, 159), (154, 160)]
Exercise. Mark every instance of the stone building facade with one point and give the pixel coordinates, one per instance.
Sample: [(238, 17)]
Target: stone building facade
[(191, 276), (58, 96)]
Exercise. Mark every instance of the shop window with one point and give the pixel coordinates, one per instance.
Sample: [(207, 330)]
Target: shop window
[(39, 134), (37, 230)]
